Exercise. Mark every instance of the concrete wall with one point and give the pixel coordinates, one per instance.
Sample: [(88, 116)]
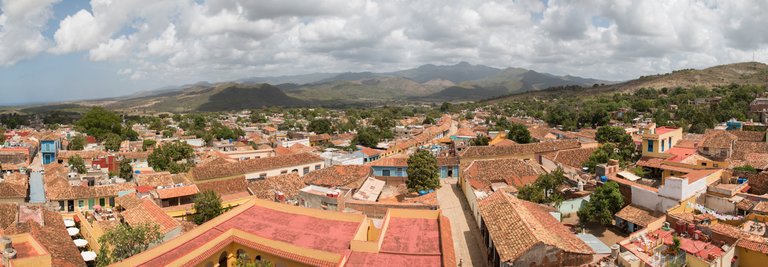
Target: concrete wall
[(544, 255), (719, 204), (652, 200), (275, 172)]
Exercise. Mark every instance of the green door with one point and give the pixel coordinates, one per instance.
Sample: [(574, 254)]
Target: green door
[(90, 203)]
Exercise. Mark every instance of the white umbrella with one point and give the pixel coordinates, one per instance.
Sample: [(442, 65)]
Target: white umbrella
[(73, 231), (81, 243), (69, 223), (88, 255)]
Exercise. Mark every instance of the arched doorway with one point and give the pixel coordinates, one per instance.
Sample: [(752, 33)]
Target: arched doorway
[(223, 259)]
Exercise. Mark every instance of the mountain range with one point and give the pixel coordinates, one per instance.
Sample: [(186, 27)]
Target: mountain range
[(427, 83)]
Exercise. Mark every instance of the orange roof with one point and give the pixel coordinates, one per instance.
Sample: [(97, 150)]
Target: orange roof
[(179, 191), (149, 212), (664, 129), (680, 153), (516, 226)]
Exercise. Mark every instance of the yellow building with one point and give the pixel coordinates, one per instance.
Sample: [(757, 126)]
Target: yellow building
[(658, 140), (287, 235)]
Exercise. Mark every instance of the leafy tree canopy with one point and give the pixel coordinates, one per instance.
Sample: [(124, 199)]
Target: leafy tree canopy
[(423, 173), (174, 157), (99, 122), (77, 142), (602, 205), (320, 126), (126, 241), (519, 133), (207, 206), (77, 164)]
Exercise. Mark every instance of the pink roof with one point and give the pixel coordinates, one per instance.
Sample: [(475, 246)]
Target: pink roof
[(407, 242), (680, 153), (663, 130), (300, 230)]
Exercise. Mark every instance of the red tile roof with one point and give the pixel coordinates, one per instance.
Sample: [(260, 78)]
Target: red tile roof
[(147, 213), (518, 173), (516, 226), (178, 191), (520, 149), (350, 176)]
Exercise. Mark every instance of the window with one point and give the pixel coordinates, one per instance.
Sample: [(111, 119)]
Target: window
[(262, 176), (284, 172), (704, 164), (399, 172), (650, 145), (385, 173), (317, 167), (662, 145), (80, 203), (102, 202), (111, 201), (295, 171), (715, 165), (61, 205), (305, 170), (670, 142)]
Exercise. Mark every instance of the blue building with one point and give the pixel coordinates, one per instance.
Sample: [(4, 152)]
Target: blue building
[(49, 149), (449, 167), (393, 167), (398, 167)]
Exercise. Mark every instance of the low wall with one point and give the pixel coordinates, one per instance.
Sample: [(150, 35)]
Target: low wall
[(379, 210)]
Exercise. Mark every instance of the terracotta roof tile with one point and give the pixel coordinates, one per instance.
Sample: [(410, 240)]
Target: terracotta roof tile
[(573, 157), (226, 186), (638, 215), (520, 149), (516, 226), (53, 236), (718, 139), (149, 212), (288, 184), (178, 191), (57, 187), (514, 172), (14, 185), (349, 176)]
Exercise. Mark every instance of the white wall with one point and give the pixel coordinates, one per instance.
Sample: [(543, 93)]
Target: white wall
[(652, 200), (719, 204), (276, 172)]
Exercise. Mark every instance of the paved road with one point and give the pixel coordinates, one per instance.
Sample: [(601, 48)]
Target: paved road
[(466, 234)]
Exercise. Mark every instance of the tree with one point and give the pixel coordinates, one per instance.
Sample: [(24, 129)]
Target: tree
[(423, 173), (112, 142), (129, 134), (2, 135), (126, 171), (147, 143), (258, 118), (602, 205), (98, 122), (366, 137), (746, 168), (544, 189), (320, 126), (77, 164), (601, 155), (174, 157), (481, 140), (519, 133), (207, 206), (126, 241), (77, 142), (428, 120), (613, 134), (446, 107), (244, 261)]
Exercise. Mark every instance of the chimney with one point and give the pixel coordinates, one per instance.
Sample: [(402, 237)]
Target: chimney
[(615, 251), (8, 253)]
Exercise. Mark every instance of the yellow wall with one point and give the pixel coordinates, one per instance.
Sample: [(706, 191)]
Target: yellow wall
[(231, 251), (693, 261), (676, 135), (748, 258)]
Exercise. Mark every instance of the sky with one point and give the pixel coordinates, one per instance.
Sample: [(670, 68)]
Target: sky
[(58, 50)]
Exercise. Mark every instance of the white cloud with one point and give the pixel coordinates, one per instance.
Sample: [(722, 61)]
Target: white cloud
[(187, 40), (21, 23)]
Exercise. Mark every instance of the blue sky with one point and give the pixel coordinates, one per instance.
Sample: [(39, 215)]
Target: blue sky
[(59, 50)]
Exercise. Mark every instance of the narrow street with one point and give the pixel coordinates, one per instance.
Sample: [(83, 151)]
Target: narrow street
[(466, 233)]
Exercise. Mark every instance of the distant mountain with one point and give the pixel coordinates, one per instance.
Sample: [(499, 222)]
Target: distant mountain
[(460, 72), (219, 97), (755, 73), (746, 73), (430, 83)]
